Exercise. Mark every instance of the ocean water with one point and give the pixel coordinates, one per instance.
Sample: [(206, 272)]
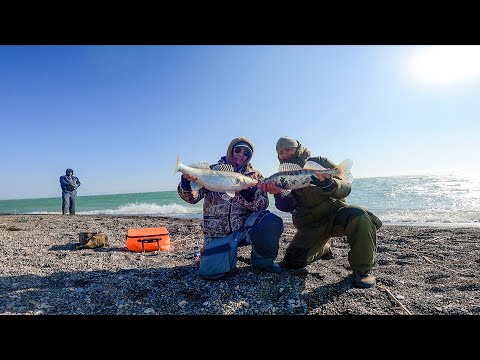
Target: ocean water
[(445, 200)]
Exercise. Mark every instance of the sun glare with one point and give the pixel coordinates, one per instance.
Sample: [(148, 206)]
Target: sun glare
[(446, 64)]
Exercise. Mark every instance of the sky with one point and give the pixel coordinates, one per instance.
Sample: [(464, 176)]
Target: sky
[(119, 115)]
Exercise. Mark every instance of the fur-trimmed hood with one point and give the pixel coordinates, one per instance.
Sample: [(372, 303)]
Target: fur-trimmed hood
[(229, 155)]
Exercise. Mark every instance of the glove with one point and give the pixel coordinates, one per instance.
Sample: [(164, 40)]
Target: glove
[(324, 184), (248, 194), (186, 184)]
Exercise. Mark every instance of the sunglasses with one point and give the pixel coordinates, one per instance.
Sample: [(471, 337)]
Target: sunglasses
[(246, 152)]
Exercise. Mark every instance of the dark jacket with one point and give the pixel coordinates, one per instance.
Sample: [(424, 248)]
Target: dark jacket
[(69, 183), (313, 204)]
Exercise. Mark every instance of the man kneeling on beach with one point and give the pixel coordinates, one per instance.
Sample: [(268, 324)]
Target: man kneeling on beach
[(320, 212), (238, 221)]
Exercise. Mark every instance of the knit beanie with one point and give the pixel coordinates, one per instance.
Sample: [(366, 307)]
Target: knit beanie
[(286, 142)]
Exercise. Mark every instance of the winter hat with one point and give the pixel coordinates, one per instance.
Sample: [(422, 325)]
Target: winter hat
[(286, 142)]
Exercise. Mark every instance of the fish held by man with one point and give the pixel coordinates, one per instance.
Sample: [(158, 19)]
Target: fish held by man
[(219, 178), (293, 176)]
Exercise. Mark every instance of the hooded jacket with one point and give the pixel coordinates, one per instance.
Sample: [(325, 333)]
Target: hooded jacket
[(312, 204), (222, 217), (69, 182)]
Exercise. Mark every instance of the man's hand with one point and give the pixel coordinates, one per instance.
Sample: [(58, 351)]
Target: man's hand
[(320, 180), (321, 176), (186, 179), (270, 187), (248, 194), (190, 177)]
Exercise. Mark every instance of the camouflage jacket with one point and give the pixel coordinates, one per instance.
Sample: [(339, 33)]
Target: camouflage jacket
[(222, 217)]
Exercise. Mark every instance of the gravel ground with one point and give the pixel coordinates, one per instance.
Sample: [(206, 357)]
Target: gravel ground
[(420, 271)]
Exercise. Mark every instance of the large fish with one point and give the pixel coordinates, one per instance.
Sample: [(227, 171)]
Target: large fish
[(293, 176), (219, 178)]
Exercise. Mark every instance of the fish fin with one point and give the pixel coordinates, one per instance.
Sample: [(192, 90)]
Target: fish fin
[(345, 166), (195, 186), (288, 167), (344, 170), (200, 165), (348, 177), (223, 167), (312, 165), (177, 164)]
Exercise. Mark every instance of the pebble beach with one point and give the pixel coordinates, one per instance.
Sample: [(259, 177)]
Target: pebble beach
[(420, 271)]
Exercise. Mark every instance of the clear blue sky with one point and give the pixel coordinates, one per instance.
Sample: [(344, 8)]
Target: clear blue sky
[(119, 115)]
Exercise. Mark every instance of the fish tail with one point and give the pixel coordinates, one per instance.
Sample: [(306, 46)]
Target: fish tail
[(344, 170), (177, 165)]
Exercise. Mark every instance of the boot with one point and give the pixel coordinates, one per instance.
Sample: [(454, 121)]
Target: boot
[(363, 278), (273, 268), (328, 253)]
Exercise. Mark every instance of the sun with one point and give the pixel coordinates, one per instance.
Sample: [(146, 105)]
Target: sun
[(445, 64)]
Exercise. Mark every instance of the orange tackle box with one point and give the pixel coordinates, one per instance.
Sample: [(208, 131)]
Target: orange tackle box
[(148, 239)]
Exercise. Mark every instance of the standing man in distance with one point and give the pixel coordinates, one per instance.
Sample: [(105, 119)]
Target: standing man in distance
[(69, 185)]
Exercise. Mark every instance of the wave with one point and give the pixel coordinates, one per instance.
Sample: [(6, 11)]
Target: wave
[(439, 217), (141, 209)]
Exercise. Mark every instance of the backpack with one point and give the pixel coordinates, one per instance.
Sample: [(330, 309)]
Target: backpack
[(90, 239)]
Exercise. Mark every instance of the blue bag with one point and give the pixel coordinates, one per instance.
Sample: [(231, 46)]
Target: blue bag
[(219, 257)]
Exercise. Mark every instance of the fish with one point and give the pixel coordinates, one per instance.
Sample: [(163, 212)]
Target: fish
[(219, 178), (292, 176)]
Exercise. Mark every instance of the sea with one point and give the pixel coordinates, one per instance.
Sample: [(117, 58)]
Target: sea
[(415, 200)]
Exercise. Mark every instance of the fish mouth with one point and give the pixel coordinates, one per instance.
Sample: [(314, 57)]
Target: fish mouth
[(252, 183)]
